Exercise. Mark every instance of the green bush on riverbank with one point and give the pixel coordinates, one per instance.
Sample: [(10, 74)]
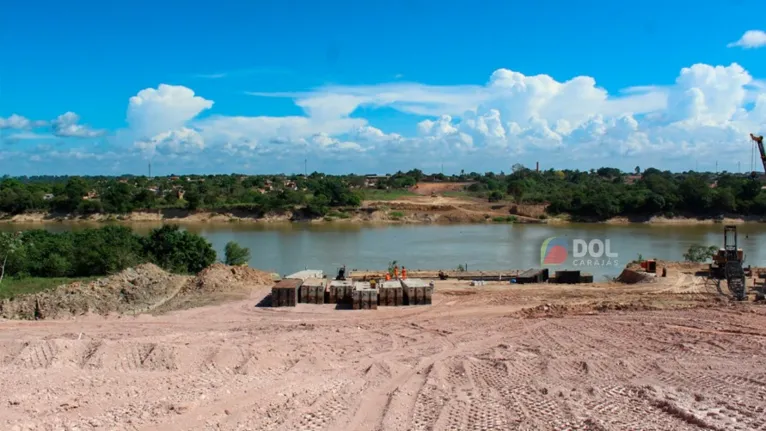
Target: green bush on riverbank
[(103, 251)]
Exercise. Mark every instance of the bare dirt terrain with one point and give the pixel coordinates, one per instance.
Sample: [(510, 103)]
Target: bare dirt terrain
[(665, 355), (449, 209)]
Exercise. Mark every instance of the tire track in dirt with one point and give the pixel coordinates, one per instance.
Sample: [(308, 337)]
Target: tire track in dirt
[(369, 414)]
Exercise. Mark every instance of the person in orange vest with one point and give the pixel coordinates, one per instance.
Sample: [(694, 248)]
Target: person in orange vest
[(396, 272), (388, 276), (404, 273)]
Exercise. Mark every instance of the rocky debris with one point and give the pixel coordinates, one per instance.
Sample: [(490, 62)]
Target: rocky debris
[(561, 310)]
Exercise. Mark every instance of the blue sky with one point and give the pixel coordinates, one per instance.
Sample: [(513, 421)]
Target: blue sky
[(257, 87)]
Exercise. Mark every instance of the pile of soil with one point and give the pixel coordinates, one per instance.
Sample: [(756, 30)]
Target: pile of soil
[(141, 289), (132, 290), (632, 276), (561, 310), (223, 278)]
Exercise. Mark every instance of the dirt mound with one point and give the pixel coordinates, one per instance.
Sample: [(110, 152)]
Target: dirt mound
[(132, 290), (561, 310), (428, 188), (631, 276), (223, 278)]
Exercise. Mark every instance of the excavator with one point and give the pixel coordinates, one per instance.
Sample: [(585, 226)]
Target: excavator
[(727, 264)]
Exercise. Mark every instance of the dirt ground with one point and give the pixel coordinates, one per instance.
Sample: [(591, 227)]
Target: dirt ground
[(428, 188), (665, 355)]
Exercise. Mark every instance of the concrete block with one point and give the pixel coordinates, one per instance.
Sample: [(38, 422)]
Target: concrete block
[(285, 293), (417, 291), (340, 292), (365, 299), (391, 293), (312, 291)]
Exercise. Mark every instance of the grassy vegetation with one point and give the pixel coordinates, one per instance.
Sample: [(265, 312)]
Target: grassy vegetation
[(339, 214), (385, 195), (20, 286), (396, 215)]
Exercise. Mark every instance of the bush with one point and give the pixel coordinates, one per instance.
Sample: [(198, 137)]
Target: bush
[(236, 255), (179, 251), (495, 196), (700, 253)]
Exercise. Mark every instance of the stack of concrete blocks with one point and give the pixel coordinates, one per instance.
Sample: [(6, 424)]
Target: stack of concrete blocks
[(391, 293), (285, 292), (340, 292), (312, 291), (417, 292), (365, 297)]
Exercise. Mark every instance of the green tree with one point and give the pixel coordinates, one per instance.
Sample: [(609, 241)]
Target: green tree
[(700, 253), (107, 250), (236, 255), (495, 196), (179, 251), (9, 244)]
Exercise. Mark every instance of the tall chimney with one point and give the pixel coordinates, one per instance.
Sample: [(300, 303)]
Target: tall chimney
[(537, 166)]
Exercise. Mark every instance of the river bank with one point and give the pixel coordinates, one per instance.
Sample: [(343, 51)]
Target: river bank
[(391, 215)]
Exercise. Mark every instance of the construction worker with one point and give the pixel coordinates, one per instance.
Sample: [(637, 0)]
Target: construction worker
[(388, 276), (396, 272), (404, 273), (373, 282)]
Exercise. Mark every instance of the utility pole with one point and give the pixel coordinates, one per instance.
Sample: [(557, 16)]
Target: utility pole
[(716, 166), (305, 167), (150, 169)]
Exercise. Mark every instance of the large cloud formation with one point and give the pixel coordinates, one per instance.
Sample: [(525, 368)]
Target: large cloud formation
[(708, 111)]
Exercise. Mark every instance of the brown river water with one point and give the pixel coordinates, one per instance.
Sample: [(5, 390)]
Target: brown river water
[(289, 247)]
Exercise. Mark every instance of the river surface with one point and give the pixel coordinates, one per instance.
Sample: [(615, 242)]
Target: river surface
[(290, 247)]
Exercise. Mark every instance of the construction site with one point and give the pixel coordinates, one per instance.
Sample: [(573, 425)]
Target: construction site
[(665, 346)]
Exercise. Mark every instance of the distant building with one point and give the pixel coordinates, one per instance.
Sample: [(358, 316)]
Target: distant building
[(47, 196)]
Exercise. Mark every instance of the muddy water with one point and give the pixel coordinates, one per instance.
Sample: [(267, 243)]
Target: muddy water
[(286, 248)]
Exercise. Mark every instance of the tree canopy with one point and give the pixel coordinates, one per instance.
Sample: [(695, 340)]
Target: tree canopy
[(596, 194)]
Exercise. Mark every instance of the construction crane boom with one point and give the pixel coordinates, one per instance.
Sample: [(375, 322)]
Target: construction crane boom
[(759, 140)]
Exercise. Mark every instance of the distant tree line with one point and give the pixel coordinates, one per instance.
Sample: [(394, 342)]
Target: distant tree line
[(102, 251), (596, 194)]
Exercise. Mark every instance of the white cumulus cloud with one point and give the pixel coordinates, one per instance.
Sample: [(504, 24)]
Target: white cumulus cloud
[(751, 39), (168, 107), (707, 112), (66, 125), (182, 141), (18, 122)]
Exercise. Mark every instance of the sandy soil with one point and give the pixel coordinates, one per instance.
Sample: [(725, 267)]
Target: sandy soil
[(428, 188), (667, 355)]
